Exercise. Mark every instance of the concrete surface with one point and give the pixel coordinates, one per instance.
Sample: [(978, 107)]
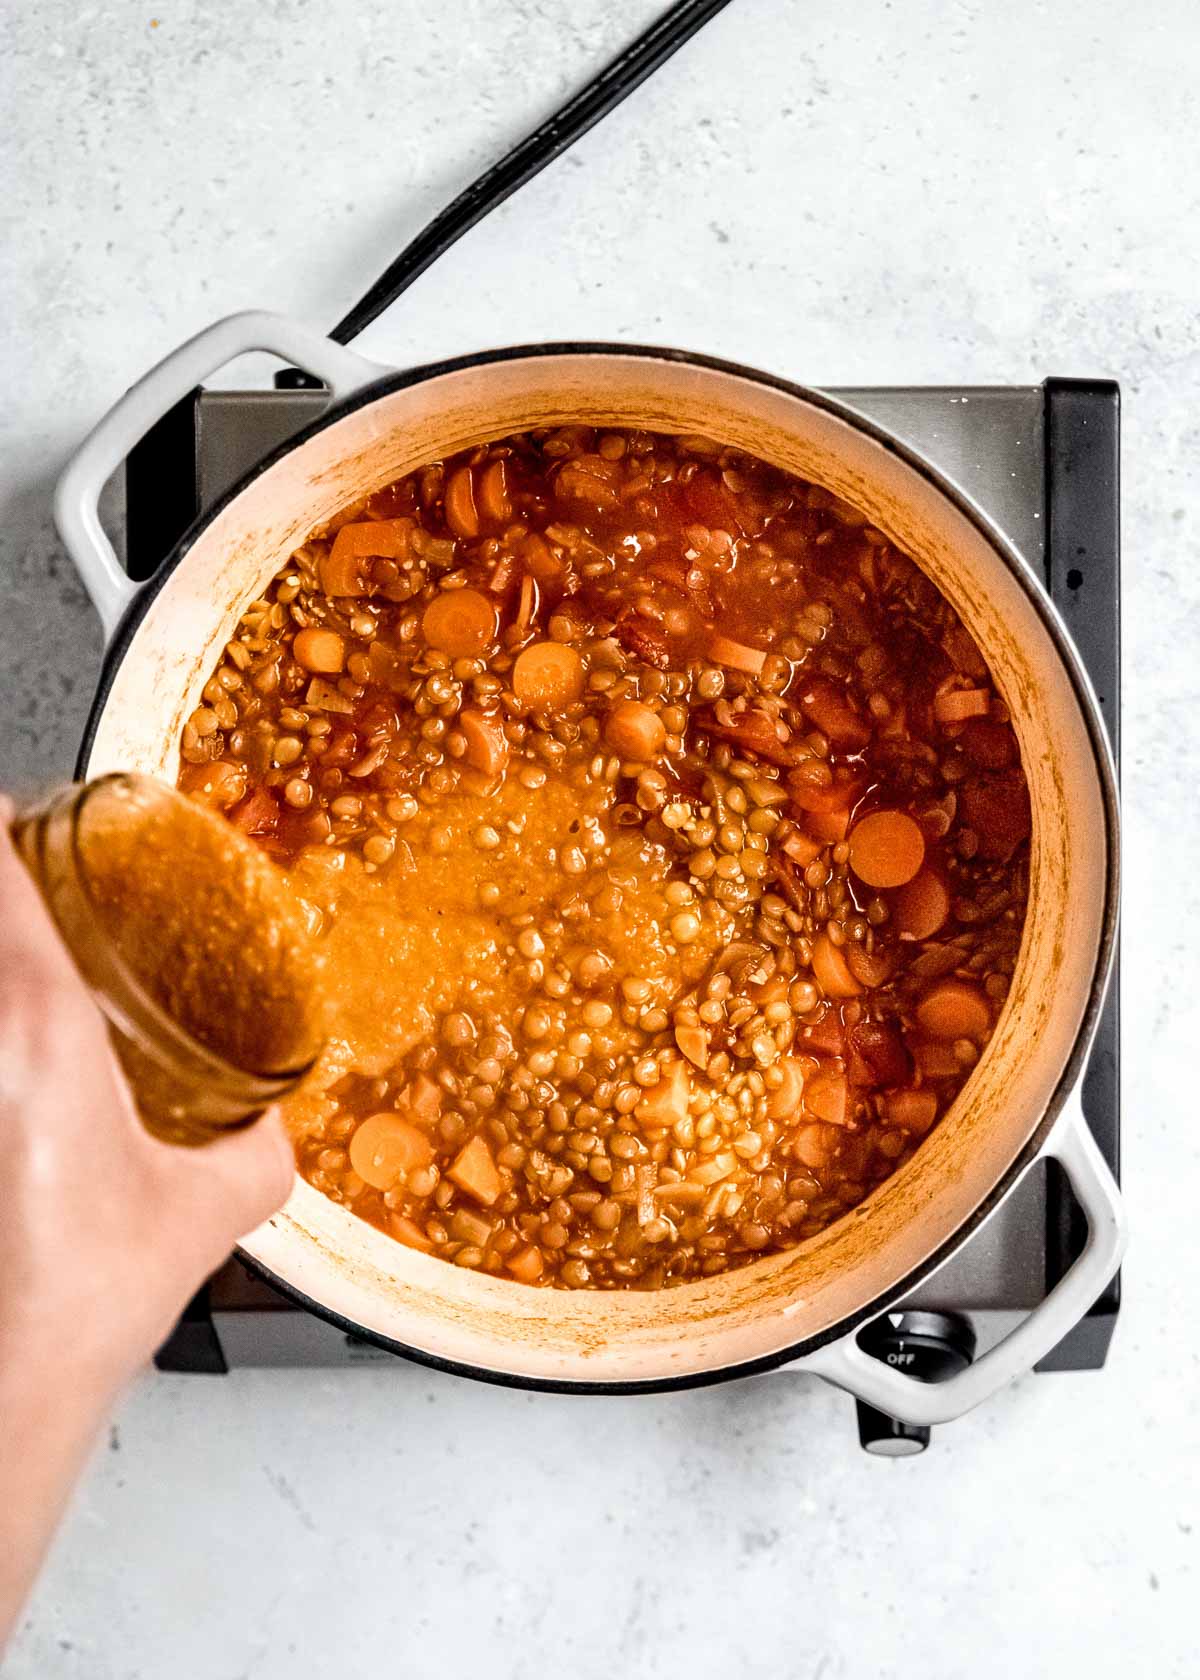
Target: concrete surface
[(873, 193)]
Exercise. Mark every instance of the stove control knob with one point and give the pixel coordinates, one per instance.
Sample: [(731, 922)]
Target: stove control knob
[(928, 1346)]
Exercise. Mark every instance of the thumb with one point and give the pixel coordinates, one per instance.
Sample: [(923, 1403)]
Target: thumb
[(250, 1173)]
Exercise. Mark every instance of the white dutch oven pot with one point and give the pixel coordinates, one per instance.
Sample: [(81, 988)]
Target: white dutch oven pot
[(1020, 1103)]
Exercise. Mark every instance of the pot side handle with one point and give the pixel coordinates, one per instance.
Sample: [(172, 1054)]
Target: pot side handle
[(889, 1390), (77, 495)]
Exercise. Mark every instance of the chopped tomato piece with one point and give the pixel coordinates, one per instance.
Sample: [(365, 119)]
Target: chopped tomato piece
[(827, 705)]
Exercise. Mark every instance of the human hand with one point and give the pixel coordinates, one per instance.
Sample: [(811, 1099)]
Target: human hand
[(106, 1231)]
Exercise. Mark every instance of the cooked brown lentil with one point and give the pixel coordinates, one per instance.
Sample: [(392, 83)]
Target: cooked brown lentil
[(668, 836)]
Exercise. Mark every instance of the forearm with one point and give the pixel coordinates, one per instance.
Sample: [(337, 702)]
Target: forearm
[(50, 1415)]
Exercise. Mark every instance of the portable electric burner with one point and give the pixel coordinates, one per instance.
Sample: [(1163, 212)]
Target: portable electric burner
[(1042, 462)]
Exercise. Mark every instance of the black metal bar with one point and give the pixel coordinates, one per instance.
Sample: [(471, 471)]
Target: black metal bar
[(1083, 575)]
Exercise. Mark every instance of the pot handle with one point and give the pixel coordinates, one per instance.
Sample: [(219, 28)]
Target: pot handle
[(77, 496), (889, 1390)]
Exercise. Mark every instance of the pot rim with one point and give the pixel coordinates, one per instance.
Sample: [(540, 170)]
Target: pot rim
[(1020, 569)]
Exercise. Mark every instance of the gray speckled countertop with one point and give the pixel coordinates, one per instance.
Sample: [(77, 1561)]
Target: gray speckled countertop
[(943, 191)]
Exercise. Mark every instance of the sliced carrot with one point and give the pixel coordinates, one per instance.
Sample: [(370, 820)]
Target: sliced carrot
[(474, 1171), (737, 656), (667, 1101), (784, 1101), (462, 515), (831, 971), (959, 704), (386, 1145), (921, 906), (343, 569), (319, 650), (548, 676), (460, 622), (492, 498), (826, 1096), (526, 1264), (913, 1111), (954, 1009), (635, 731), (886, 849), (487, 744)]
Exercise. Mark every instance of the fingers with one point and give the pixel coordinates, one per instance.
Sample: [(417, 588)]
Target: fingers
[(250, 1175), (33, 947)]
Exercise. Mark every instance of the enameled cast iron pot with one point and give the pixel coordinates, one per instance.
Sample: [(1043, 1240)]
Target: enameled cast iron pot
[(1022, 1100)]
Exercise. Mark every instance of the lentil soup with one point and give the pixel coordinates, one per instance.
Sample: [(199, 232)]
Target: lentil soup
[(667, 838)]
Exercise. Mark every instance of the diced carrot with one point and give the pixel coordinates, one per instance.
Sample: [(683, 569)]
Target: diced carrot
[(492, 498), (474, 1171), (667, 1101), (737, 656), (540, 560), (830, 969), (886, 849), (825, 1095), (954, 1009), (386, 1145), (218, 782), (376, 539), (801, 848), (935, 1060), (408, 1232), (826, 1036), (548, 676), (828, 827), (422, 1099), (921, 906), (815, 1145), (784, 1101), (959, 704), (827, 705), (840, 794), (526, 1264), (460, 622), (912, 1111), (461, 513), (258, 813), (319, 650), (469, 1227), (635, 731), (487, 744)]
